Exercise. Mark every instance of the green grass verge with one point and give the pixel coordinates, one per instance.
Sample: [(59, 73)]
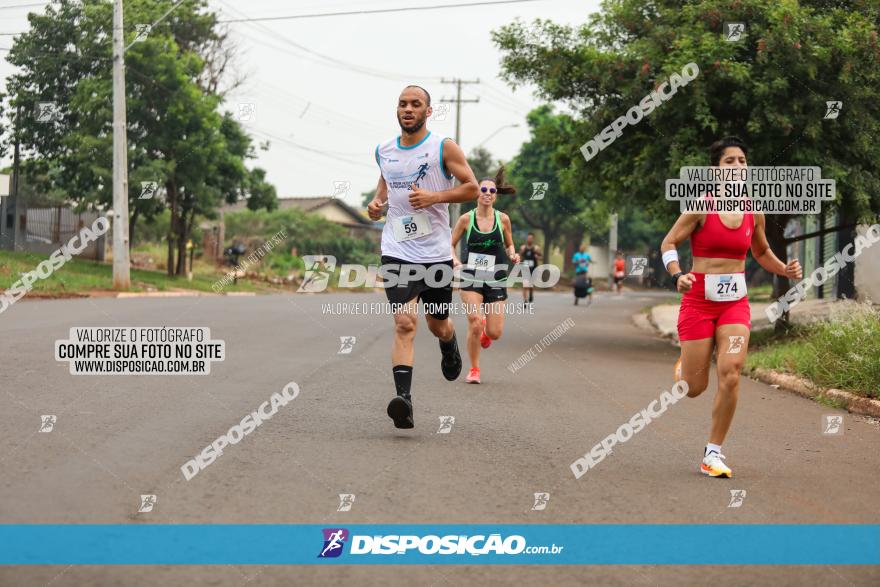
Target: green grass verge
[(842, 352), (78, 277), (760, 293)]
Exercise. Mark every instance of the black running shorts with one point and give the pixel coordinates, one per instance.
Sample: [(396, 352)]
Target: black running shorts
[(491, 293), (438, 297)]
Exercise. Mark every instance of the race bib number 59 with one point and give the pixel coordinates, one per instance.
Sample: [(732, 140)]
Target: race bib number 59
[(411, 226), (725, 287)]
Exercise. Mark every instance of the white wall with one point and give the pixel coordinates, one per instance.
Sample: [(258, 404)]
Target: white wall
[(868, 271)]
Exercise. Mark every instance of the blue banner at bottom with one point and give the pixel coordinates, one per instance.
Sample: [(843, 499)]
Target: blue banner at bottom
[(604, 544)]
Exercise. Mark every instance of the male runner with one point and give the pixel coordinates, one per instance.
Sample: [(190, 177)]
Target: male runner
[(582, 283), (418, 170), (531, 258)]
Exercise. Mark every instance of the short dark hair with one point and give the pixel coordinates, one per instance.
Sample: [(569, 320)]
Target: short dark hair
[(716, 149), (530, 234), (427, 95)]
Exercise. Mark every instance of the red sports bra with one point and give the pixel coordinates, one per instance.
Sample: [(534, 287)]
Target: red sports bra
[(714, 240)]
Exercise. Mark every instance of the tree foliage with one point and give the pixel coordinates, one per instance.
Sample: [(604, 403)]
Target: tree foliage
[(770, 88), (176, 135)]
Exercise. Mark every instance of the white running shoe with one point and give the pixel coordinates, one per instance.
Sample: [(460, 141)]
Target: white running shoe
[(713, 466)]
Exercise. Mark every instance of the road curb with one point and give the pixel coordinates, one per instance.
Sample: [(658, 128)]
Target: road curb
[(179, 294), (803, 387), (643, 321), (160, 294)]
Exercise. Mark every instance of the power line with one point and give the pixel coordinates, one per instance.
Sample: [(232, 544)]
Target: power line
[(32, 5), (311, 149), (160, 19), (323, 111), (501, 94), (327, 60), (257, 130), (375, 11)]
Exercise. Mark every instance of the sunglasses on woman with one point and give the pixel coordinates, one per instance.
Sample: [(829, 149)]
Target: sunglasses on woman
[(484, 189)]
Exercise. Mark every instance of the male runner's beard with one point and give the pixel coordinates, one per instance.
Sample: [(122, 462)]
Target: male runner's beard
[(417, 125)]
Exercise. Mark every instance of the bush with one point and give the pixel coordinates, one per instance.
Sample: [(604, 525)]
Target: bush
[(309, 233), (842, 352)]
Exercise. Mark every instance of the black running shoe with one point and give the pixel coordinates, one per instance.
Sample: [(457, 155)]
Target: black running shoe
[(400, 410), (450, 363)]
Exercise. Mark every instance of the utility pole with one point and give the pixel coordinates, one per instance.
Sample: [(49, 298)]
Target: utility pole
[(10, 236), (455, 209), (612, 248), (121, 265)]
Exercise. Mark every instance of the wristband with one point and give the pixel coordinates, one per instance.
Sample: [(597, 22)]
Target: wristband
[(669, 257), (675, 279)]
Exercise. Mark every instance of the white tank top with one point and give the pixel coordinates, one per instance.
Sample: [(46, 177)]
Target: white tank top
[(401, 167)]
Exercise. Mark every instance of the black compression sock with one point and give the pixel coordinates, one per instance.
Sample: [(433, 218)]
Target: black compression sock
[(531, 296), (448, 345), (402, 379)]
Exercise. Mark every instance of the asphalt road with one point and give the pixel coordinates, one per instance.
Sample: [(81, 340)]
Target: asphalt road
[(117, 437)]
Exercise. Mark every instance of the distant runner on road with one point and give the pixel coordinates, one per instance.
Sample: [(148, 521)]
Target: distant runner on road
[(417, 183), (583, 285), (530, 253), (619, 272)]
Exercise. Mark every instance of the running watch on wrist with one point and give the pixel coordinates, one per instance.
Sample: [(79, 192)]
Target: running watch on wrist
[(675, 279)]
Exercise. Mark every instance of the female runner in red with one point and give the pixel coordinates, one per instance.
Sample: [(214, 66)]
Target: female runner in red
[(715, 312)]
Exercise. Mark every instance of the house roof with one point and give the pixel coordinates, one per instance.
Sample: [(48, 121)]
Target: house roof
[(312, 204)]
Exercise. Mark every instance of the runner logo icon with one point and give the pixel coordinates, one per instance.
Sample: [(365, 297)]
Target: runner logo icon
[(47, 423), (346, 500), (638, 265), (147, 503), (318, 270), (734, 31), (737, 497), (833, 109), (446, 423), (346, 344), (334, 540), (539, 190), (541, 501), (833, 424)]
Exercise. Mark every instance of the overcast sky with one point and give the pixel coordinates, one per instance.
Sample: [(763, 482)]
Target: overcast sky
[(324, 89)]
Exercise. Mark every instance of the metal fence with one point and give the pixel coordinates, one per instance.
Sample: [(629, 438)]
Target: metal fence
[(48, 228)]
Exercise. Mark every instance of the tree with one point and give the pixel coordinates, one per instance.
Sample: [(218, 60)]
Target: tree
[(177, 137), (564, 214), (482, 163), (367, 197), (769, 88)]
